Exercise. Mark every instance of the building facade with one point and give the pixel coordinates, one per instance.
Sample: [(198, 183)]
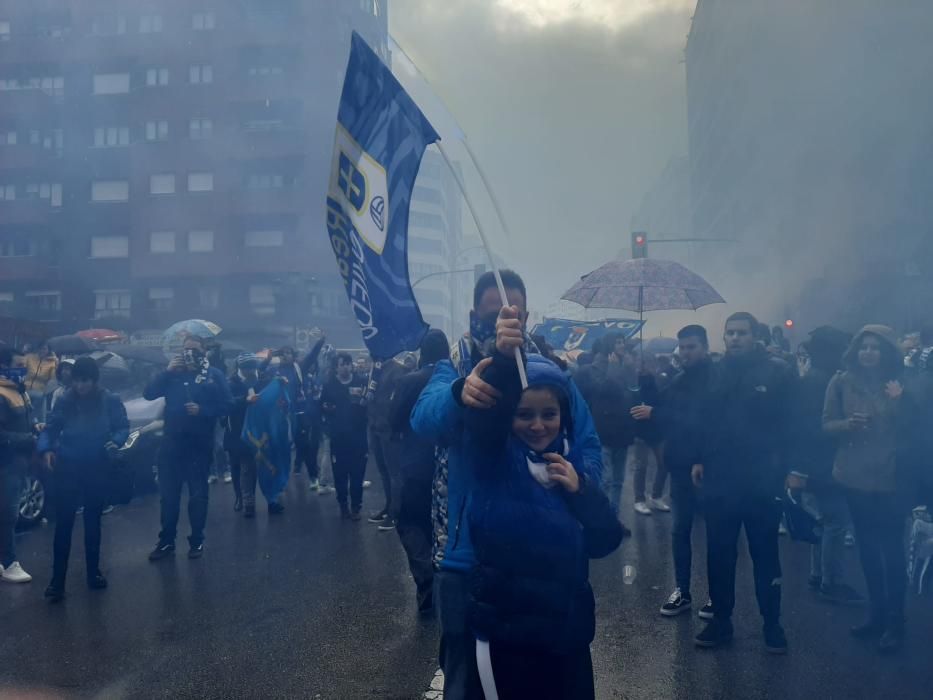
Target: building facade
[(167, 160), (810, 148)]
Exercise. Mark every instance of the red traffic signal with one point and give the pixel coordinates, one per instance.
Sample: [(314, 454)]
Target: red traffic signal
[(789, 323), (639, 245)]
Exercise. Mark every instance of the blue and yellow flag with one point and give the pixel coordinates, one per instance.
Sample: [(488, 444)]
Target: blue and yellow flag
[(381, 138)]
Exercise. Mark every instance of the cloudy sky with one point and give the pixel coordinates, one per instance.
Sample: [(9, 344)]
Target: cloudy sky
[(573, 107)]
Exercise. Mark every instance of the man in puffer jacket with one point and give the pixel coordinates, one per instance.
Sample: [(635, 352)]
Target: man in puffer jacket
[(534, 521)]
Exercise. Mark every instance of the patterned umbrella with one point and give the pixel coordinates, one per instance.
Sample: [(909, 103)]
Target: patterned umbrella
[(177, 333), (643, 285)]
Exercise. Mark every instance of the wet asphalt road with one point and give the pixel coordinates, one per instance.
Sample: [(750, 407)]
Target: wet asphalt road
[(307, 606)]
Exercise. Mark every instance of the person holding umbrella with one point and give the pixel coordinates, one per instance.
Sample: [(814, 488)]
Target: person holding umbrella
[(84, 431), (196, 396)]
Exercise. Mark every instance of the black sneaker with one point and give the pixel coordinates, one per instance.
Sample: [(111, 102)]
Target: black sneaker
[(238, 504), (893, 637), (55, 592), (678, 603), (196, 551), (387, 525), (377, 518), (161, 551), (706, 612), (276, 509), (815, 582), (355, 516), (97, 582), (717, 633), (249, 511), (775, 639)]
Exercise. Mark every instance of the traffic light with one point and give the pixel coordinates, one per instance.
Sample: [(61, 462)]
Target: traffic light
[(639, 245), (789, 323)]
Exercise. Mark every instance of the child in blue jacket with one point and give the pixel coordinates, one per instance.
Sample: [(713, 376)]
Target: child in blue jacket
[(535, 521)]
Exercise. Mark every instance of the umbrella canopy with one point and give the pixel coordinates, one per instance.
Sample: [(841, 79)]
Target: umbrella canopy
[(177, 333), (139, 353), (72, 345), (643, 285), (102, 335)]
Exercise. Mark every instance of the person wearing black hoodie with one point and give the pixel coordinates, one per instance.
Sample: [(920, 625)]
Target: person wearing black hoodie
[(678, 416), (416, 468), (85, 430), (741, 469), (813, 464)]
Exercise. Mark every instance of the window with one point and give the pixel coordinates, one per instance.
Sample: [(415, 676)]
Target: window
[(111, 83), (264, 70), (8, 138), (262, 299), (150, 24), (156, 77), (157, 131), (111, 302), (199, 129), (201, 241), (264, 239), (203, 21), (44, 303), (4, 31), (200, 75), (162, 184), (45, 190), (111, 136), (7, 193), (110, 247), (200, 182), (162, 242), (265, 181), (427, 194), (53, 85), (109, 26), (17, 247), (110, 191), (209, 297), (161, 298), (432, 221)]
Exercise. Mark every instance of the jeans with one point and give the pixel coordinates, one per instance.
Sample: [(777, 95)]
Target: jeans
[(11, 490), (382, 452), (642, 453), (614, 473), (760, 516), (879, 531), (414, 532), (684, 507), (349, 469), (826, 556), (72, 491), (308, 444), (458, 645), (184, 459), (246, 465)]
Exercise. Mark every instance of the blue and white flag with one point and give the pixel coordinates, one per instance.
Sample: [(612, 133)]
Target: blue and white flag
[(381, 138), (567, 336), (267, 438)]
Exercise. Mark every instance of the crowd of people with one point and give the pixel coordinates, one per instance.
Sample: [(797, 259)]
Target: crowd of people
[(501, 493)]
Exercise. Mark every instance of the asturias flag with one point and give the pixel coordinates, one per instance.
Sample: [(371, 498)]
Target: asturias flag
[(381, 137), (266, 434)]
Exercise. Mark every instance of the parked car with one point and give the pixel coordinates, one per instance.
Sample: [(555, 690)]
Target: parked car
[(140, 453)]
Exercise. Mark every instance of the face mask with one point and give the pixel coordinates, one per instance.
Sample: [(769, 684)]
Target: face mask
[(483, 331)]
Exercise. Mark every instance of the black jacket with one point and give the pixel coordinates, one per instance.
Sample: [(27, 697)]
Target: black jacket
[(679, 416), (610, 400), (416, 455), (745, 432), (345, 411), (379, 406), (17, 440), (812, 449)]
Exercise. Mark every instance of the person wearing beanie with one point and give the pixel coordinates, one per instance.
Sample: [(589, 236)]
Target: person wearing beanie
[(84, 431), (863, 407), (412, 495)]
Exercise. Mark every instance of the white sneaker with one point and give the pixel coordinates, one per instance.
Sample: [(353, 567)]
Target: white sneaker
[(14, 574), (367, 484), (314, 485), (658, 505), (228, 477), (326, 490), (642, 508)]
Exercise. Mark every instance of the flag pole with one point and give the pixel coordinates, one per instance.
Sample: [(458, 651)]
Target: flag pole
[(492, 261)]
